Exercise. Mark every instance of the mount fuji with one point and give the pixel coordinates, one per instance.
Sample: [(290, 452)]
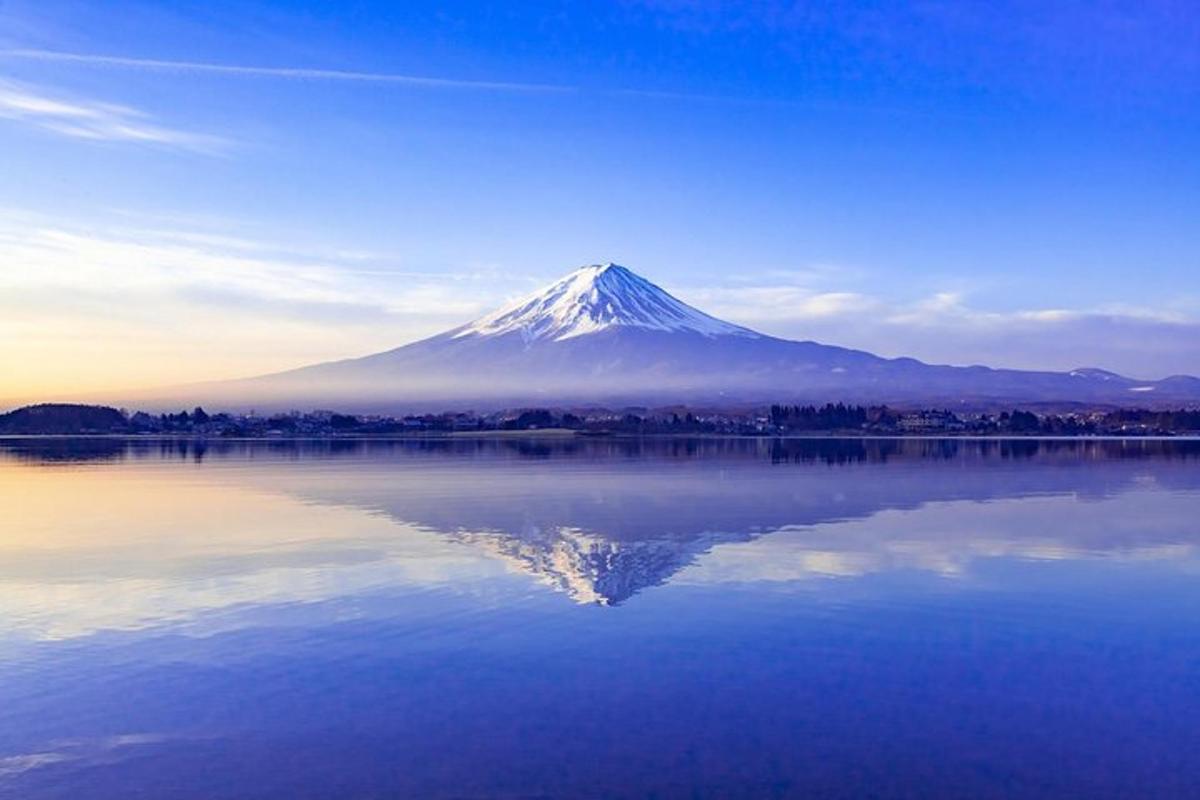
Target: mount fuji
[(603, 335)]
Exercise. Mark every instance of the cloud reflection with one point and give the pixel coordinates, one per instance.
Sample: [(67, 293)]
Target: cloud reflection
[(151, 537)]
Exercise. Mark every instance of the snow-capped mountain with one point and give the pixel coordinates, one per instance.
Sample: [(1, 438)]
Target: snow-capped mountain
[(593, 299), (606, 336)]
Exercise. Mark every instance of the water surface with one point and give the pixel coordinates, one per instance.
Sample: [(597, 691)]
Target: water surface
[(599, 618)]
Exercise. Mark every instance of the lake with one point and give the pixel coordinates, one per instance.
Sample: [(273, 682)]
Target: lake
[(599, 618)]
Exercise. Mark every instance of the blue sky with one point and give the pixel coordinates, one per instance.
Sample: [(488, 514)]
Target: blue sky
[(195, 190)]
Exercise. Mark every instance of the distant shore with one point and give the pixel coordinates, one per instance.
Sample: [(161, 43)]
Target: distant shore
[(562, 434), (827, 421)]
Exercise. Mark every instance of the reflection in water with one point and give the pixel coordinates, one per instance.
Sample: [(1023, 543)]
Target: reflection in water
[(779, 617), (598, 520), (35, 450)]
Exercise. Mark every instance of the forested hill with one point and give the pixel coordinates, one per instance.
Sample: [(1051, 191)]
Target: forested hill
[(63, 418)]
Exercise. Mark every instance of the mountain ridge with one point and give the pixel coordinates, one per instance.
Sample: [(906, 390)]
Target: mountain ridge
[(604, 335)]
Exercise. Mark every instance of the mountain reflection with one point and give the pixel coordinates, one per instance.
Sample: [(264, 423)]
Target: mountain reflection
[(602, 520), (830, 451)]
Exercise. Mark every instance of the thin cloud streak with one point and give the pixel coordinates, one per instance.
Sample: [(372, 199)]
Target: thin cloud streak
[(291, 73), (358, 76), (420, 81), (97, 121)]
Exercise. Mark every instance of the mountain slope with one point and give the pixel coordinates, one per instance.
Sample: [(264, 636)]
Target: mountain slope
[(593, 299), (604, 335)]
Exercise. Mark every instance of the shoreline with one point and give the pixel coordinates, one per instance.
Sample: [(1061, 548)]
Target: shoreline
[(562, 434)]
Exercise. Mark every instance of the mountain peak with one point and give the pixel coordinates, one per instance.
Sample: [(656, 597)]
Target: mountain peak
[(595, 298), (599, 269)]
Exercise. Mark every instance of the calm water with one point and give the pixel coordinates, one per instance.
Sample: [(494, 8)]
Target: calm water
[(600, 619)]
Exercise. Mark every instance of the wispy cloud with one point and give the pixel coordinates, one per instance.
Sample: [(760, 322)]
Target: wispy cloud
[(155, 264), (947, 327), (103, 307), (15, 765), (353, 76), (291, 73), (782, 303), (97, 121)]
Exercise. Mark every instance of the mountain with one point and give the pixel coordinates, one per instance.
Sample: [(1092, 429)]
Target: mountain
[(604, 335), (593, 299)]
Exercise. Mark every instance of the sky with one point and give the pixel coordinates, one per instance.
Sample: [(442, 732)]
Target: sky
[(207, 190)]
